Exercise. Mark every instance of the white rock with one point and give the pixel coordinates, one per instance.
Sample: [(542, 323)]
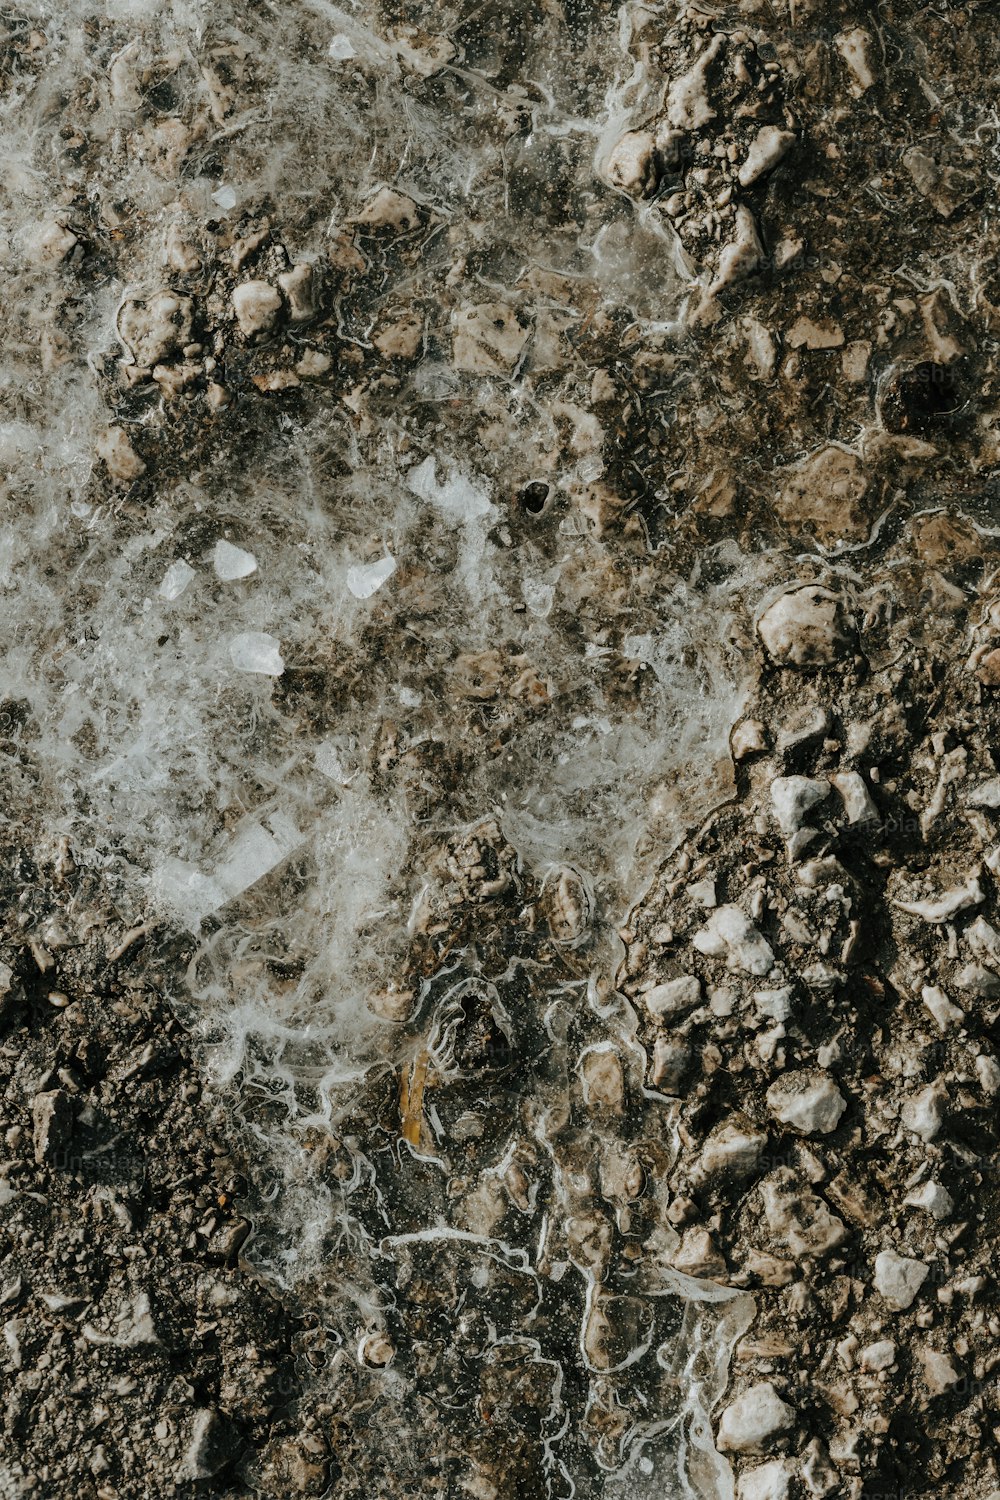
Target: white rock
[(933, 1198), (154, 329), (365, 579), (256, 305), (730, 934), (119, 456), (983, 941), (753, 1422), (768, 1481), (806, 627), (898, 1278), (389, 210), (979, 980), (775, 1004), (741, 257), (808, 1101), (988, 1073), (256, 651), (54, 242), (766, 150), (941, 1008), (923, 1112), (854, 47), (297, 286), (672, 997), (987, 794), (942, 908), (631, 166), (857, 799), (736, 1146), (792, 797), (688, 105), (232, 562), (940, 1372), (176, 579), (749, 738), (878, 1356)]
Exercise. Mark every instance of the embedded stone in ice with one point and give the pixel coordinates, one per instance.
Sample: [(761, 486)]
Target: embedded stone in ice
[(176, 579), (232, 562), (256, 651), (365, 579)]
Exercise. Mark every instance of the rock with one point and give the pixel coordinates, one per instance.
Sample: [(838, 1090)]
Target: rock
[(733, 1148), (603, 1079), (898, 1278), (941, 1008), (792, 797), (154, 329), (940, 1373), (768, 147), (671, 1060), (673, 997), (768, 1481), (807, 1100), (730, 934), (923, 1112), (52, 1117), (942, 908), (297, 287), (256, 305), (742, 256), (688, 104), (699, 1256), (878, 1356), (632, 167), (933, 1198), (489, 339), (54, 243), (855, 47), (754, 1421), (799, 1217), (807, 627), (389, 210), (614, 1329), (119, 457), (988, 1073), (749, 738), (987, 795), (210, 1446), (857, 799), (423, 53)]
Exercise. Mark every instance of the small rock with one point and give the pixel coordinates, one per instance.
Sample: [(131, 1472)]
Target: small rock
[(688, 104), (940, 1374), (603, 1079), (733, 1148), (488, 339), (614, 1329), (389, 210), (52, 1119), (119, 457), (799, 1216), (855, 47), (256, 305), (768, 147), (898, 1278), (742, 256), (755, 1420), (923, 1112), (942, 908), (154, 329), (808, 1101), (673, 997), (730, 934), (297, 286), (671, 1060), (807, 627), (792, 797), (54, 243), (632, 166), (933, 1198), (768, 1481), (699, 1256), (878, 1356), (858, 802), (749, 738), (941, 1008), (210, 1446)]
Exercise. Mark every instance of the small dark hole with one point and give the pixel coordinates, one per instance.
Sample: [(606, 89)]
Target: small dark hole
[(534, 496)]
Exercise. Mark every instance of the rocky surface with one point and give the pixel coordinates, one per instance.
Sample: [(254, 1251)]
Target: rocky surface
[(500, 957)]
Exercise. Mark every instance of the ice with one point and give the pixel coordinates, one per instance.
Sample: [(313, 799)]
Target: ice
[(459, 496), (224, 198), (365, 579), (340, 48), (254, 852), (232, 562), (256, 651), (176, 579)]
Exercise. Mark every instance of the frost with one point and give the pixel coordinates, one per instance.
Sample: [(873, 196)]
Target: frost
[(459, 496), (256, 651), (224, 198)]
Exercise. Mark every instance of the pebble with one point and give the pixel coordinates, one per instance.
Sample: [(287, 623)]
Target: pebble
[(878, 1356), (699, 1256), (632, 165), (940, 1373), (297, 286), (52, 1121), (768, 1481), (898, 1278), (749, 738), (688, 104), (671, 1060), (733, 1148), (923, 1112), (942, 908), (673, 997), (154, 329), (488, 339), (603, 1080), (256, 305), (389, 210), (119, 457), (799, 1216), (792, 797), (755, 1420), (742, 256), (766, 150), (858, 802), (807, 627), (933, 1198), (941, 1008), (209, 1446), (730, 934), (808, 1101)]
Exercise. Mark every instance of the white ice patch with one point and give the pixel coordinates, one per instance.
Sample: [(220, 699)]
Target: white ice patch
[(232, 562), (176, 579), (365, 579), (256, 651), (340, 48), (460, 496), (224, 198), (254, 852)]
